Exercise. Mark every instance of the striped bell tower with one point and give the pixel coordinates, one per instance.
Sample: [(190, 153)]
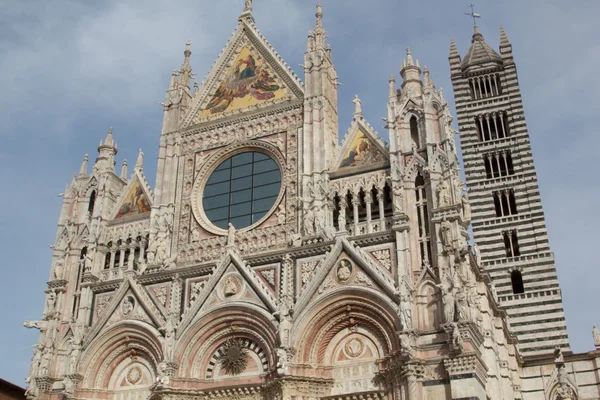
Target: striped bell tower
[(508, 222)]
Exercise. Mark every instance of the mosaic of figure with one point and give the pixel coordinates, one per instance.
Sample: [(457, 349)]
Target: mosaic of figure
[(247, 83), (135, 202), (360, 152)]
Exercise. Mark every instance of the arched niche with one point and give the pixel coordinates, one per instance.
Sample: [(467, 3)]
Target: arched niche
[(428, 309), (352, 354), (132, 379)]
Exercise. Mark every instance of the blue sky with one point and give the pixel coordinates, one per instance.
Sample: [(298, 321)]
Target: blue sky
[(71, 69)]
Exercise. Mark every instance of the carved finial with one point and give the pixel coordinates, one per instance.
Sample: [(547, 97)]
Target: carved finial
[(188, 49), (426, 77), (109, 137), (319, 14), (319, 29), (357, 105), (247, 13), (392, 86), (505, 46), (453, 50), (173, 79), (596, 334), (186, 69), (140, 161), (409, 59), (83, 169), (124, 170)]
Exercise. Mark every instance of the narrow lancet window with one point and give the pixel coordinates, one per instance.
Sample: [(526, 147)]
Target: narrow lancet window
[(423, 219), (92, 203), (517, 282), (414, 133)]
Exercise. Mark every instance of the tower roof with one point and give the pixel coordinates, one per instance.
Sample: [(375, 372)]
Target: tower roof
[(479, 52)]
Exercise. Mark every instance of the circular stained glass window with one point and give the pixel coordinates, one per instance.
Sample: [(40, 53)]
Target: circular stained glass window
[(241, 190)]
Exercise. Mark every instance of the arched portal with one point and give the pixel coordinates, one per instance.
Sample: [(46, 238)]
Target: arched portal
[(121, 361), (353, 356), (219, 336), (344, 335)]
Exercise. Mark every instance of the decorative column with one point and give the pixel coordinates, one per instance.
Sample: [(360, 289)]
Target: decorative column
[(112, 258), (410, 372), (342, 216), (495, 117), (380, 196), (122, 250), (487, 121), (504, 130), (143, 244), (369, 201), (355, 201)]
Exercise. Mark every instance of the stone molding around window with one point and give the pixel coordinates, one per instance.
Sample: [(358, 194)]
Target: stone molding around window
[(213, 162)]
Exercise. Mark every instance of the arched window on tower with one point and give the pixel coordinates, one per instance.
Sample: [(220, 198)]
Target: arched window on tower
[(517, 282), (92, 203), (422, 219), (388, 205), (80, 271), (336, 212), (414, 133)]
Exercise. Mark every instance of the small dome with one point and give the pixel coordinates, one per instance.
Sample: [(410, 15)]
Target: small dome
[(479, 53)]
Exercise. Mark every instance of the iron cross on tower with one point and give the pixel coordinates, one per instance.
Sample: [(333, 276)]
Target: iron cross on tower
[(473, 14)]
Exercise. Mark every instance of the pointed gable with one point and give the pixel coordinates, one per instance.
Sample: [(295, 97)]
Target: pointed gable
[(346, 265), (231, 281), (129, 302), (248, 74), (361, 147), (134, 200)]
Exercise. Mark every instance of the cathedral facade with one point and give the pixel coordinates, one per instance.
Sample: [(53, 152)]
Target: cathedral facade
[(272, 262)]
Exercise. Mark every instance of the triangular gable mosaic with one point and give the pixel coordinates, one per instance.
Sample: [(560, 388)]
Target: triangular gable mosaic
[(248, 82), (247, 75), (362, 146), (135, 201), (360, 152)]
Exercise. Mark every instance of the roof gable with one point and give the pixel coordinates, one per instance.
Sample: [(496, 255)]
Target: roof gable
[(362, 146), (249, 74), (135, 200)]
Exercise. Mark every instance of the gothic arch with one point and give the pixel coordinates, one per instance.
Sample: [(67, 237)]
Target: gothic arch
[(412, 111), (428, 306), (413, 169), (131, 340), (197, 345), (344, 309), (560, 391), (439, 161)]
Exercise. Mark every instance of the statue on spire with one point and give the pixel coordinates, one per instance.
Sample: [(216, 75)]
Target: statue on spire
[(248, 6), (357, 105), (140, 161)]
